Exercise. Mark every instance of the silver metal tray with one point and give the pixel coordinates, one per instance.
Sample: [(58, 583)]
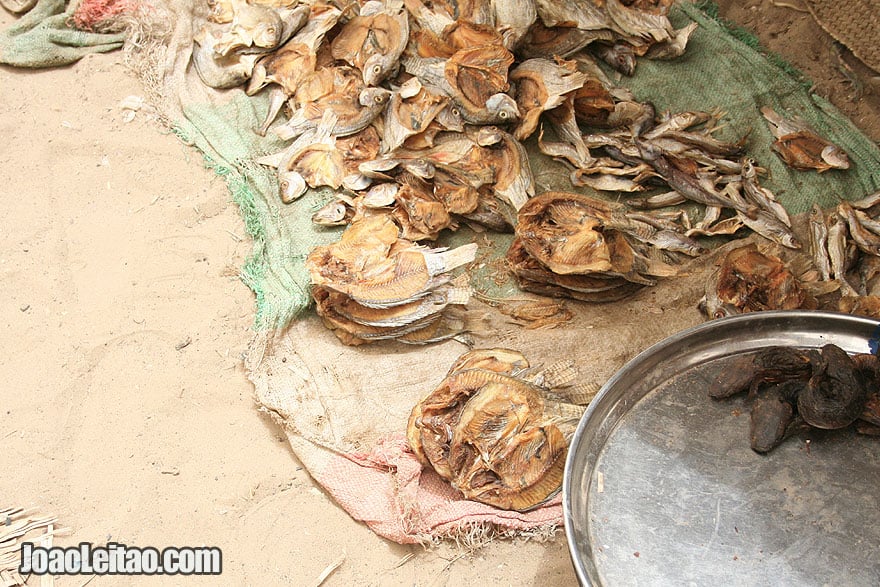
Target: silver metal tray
[(661, 487)]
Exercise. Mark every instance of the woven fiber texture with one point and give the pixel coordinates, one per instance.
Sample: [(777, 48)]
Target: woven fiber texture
[(855, 23)]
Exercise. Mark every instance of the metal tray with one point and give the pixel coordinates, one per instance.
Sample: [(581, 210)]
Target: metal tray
[(661, 487)]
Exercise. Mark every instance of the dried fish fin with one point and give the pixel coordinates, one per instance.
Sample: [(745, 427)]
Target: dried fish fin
[(581, 393), (498, 360), (560, 374), (675, 47), (444, 261)]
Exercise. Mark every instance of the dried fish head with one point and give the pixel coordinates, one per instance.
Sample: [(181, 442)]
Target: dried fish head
[(291, 186), (334, 213), (217, 71), (501, 108), (374, 40), (374, 97), (381, 195)]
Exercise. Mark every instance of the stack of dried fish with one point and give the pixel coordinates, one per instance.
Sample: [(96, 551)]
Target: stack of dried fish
[(793, 389), (374, 285), (580, 247), (846, 244), (499, 437)]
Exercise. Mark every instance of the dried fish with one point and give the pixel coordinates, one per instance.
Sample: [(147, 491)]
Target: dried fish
[(531, 313), (374, 40), (752, 281), (866, 240), (800, 147), (760, 196), (541, 85), (687, 186), (499, 360), (819, 242), (354, 111), (619, 56), (837, 254), (764, 223)]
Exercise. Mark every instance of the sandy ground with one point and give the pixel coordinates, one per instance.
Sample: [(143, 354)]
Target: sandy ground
[(125, 408)]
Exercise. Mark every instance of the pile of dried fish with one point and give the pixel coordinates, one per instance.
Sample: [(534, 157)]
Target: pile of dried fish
[(390, 95), (847, 243), (793, 389), (588, 249), (680, 152), (374, 285), (496, 434)]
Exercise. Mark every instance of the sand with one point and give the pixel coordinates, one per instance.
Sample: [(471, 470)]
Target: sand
[(125, 408)]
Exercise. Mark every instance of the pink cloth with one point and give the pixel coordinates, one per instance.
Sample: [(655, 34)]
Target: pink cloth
[(90, 14), (389, 491)]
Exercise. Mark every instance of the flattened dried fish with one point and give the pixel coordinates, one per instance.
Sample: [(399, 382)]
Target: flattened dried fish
[(378, 272), (819, 242), (800, 147), (752, 281), (411, 110), (374, 40), (760, 196), (541, 85)]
